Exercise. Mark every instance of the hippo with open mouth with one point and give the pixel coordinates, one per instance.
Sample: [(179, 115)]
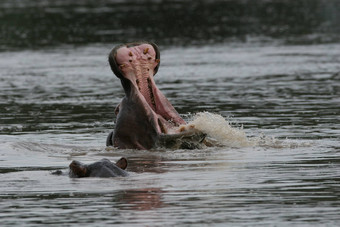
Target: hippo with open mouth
[(145, 117)]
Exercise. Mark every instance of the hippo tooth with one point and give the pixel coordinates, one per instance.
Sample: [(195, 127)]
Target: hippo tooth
[(137, 81), (122, 66), (151, 93), (157, 60), (146, 50)]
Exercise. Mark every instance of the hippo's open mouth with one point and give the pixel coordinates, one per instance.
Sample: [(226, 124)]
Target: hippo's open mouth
[(145, 117), (138, 63)]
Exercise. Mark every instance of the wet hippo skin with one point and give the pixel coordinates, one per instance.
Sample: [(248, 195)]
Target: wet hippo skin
[(102, 168), (145, 117)]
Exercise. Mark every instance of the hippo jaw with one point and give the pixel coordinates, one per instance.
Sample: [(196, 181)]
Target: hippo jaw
[(136, 64)]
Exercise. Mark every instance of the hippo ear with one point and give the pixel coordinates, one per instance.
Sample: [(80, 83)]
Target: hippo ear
[(122, 163)]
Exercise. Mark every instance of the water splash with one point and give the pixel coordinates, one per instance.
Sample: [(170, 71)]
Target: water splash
[(221, 132)]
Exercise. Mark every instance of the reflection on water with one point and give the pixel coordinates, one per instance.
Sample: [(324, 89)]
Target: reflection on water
[(266, 186), (57, 104), (141, 199)]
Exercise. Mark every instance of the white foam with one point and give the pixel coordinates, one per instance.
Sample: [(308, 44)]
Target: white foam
[(219, 129), (221, 132)]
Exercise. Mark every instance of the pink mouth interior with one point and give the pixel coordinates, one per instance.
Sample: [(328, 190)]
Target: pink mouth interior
[(137, 64)]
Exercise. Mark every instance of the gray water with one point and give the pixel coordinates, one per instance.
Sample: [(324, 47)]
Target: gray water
[(57, 104)]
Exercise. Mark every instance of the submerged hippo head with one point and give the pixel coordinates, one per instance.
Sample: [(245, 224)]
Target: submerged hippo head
[(102, 168), (145, 114)]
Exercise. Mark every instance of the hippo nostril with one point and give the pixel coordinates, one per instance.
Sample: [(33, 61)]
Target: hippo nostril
[(130, 54), (149, 58)]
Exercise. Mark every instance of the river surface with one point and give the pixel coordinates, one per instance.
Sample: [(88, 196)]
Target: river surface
[(273, 103)]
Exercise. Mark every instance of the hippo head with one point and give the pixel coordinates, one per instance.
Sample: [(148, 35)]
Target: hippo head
[(102, 168), (144, 113)]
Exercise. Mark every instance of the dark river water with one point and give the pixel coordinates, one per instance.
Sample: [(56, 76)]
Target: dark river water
[(260, 77)]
